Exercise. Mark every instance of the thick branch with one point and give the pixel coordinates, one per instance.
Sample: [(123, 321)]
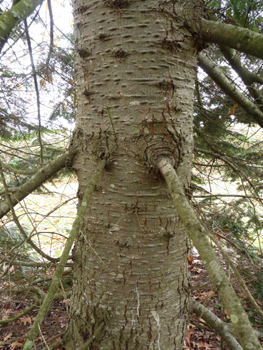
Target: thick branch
[(46, 265), (216, 74), (11, 18), (238, 316), (248, 77), (218, 325), (237, 38), (235, 62), (34, 182), (225, 330), (237, 275)]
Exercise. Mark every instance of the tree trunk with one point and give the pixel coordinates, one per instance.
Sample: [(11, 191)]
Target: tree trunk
[(135, 73)]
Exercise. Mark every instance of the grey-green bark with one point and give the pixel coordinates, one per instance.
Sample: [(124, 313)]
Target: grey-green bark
[(135, 74), (243, 329), (11, 18), (238, 38)]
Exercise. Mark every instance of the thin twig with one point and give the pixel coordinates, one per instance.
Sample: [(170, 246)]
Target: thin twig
[(23, 313), (237, 274), (36, 89), (19, 226), (51, 44)]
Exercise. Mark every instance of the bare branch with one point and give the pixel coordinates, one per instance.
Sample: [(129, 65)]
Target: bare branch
[(197, 233), (248, 77), (216, 74), (34, 182), (51, 32), (233, 58), (36, 88), (218, 325), (237, 38), (11, 18)]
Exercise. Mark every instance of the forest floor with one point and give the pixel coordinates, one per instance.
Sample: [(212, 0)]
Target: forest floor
[(12, 334), (198, 336)]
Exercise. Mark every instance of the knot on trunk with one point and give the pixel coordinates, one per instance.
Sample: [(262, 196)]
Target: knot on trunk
[(156, 141), (103, 146)]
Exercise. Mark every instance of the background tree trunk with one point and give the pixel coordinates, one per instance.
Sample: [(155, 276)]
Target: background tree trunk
[(135, 72)]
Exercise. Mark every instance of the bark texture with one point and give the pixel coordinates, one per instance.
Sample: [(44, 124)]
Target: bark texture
[(238, 38), (135, 72)]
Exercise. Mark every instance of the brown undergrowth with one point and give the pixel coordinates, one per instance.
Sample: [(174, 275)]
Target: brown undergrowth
[(198, 336)]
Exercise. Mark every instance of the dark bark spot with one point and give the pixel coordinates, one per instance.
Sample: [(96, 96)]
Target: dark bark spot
[(171, 45), (116, 3), (101, 111), (166, 85), (85, 336), (109, 167), (133, 207), (200, 44), (104, 37), (87, 94), (119, 53), (84, 53), (122, 244), (176, 109), (82, 9)]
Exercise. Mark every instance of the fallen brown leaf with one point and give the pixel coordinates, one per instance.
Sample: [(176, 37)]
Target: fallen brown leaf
[(25, 320), (16, 345), (8, 337)]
